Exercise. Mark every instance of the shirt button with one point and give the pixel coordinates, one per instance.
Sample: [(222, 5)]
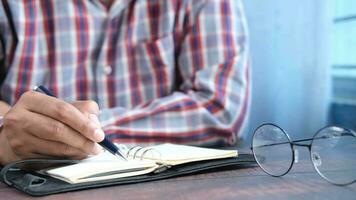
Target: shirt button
[(107, 70)]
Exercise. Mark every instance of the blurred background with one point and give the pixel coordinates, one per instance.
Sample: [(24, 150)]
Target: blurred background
[(303, 56)]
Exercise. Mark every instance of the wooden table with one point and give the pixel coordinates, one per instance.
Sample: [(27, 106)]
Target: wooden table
[(247, 183)]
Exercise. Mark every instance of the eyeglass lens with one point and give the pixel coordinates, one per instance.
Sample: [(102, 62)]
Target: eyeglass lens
[(332, 152), (272, 150), (333, 155)]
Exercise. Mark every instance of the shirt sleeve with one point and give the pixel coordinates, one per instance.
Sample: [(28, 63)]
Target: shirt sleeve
[(211, 105), (3, 28), (2, 53)]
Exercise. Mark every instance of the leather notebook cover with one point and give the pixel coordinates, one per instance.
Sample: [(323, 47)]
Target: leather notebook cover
[(36, 184)]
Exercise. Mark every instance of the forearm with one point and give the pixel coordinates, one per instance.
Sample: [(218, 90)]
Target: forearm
[(191, 117), (184, 121)]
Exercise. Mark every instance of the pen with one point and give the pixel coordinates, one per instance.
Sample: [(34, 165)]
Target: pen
[(106, 144)]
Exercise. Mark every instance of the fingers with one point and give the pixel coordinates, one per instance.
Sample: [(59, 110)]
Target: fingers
[(42, 126), (63, 112), (29, 146), (87, 107), (53, 130), (46, 149)]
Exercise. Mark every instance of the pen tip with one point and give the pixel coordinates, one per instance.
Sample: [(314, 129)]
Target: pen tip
[(120, 156)]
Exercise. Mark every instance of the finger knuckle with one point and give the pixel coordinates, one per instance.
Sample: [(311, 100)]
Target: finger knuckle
[(27, 95), (67, 150), (62, 109), (84, 127), (11, 119), (78, 105), (92, 106), (58, 130), (17, 145)]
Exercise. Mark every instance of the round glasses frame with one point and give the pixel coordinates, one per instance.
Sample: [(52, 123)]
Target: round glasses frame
[(296, 143)]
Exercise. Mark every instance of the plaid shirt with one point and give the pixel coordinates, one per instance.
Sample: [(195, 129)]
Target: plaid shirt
[(160, 70)]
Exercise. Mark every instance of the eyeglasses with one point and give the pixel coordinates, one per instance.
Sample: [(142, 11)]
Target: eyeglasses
[(332, 152)]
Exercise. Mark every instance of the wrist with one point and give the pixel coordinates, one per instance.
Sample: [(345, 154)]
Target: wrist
[(6, 154)]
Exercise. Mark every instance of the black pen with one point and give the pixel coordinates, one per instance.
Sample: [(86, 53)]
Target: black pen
[(106, 144)]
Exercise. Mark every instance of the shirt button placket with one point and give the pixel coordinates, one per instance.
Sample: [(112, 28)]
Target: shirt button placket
[(107, 70)]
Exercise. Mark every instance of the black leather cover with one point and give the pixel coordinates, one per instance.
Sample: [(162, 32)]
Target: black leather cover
[(30, 182)]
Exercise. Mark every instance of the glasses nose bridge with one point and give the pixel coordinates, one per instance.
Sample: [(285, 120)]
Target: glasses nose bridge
[(296, 152), (301, 145)]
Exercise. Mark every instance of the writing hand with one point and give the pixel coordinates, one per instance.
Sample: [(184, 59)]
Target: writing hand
[(41, 126)]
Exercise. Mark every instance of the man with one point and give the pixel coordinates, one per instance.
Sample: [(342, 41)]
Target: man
[(152, 71)]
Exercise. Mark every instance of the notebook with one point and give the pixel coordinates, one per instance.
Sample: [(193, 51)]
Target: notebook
[(153, 159)]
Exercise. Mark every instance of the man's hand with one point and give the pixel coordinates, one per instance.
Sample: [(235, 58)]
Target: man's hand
[(40, 126)]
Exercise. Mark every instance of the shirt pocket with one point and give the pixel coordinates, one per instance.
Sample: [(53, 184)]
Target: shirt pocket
[(151, 66)]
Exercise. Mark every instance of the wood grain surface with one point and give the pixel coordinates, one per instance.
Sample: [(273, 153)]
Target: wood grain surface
[(246, 183)]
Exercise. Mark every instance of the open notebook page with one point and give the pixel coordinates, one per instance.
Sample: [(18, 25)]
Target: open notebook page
[(106, 166), (102, 167), (172, 154)]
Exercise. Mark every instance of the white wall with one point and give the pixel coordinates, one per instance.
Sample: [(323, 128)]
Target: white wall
[(290, 49), (343, 111)]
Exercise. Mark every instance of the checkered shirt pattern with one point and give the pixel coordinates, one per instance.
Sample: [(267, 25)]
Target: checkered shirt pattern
[(160, 70)]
